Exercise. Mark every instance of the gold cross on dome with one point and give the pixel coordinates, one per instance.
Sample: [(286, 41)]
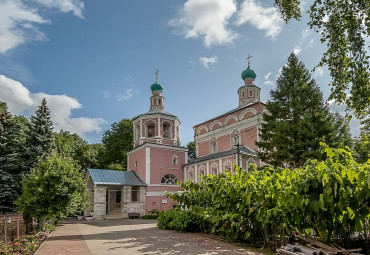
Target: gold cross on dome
[(249, 59), (156, 74)]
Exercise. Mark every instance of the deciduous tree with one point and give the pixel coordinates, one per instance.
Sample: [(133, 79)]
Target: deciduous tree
[(118, 141), (55, 187), (345, 29)]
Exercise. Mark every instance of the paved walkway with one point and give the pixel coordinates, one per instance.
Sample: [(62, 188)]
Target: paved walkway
[(130, 237)]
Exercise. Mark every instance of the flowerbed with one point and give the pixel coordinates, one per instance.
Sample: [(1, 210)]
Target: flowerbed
[(28, 244)]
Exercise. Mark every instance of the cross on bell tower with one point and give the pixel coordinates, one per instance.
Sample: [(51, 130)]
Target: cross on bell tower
[(249, 59)]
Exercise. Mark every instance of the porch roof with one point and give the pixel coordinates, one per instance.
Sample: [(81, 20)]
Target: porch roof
[(115, 177)]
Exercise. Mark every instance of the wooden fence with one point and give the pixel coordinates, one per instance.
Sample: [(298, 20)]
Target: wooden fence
[(11, 227)]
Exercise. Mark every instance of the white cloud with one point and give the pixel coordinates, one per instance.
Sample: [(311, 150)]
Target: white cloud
[(208, 19), (74, 6), (18, 24), (21, 101), (319, 71), (305, 32), (261, 17), (297, 50), (128, 94), (270, 83), (267, 76), (207, 62), (106, 94)]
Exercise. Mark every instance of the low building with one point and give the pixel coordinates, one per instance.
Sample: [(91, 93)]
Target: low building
[(115, 193)]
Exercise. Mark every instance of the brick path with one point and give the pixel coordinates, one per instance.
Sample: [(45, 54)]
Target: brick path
[(131, 237)]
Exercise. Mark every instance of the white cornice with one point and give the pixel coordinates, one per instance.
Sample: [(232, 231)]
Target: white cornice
[(226, 130), (160, 146)]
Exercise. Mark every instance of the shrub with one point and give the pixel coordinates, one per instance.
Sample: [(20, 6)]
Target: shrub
[(328, 198)]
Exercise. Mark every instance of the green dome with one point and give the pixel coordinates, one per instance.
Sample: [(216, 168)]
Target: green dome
[(156, 87), (249, 73)]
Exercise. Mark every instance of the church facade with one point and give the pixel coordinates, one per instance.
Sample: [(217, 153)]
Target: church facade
[(229, 139), (221, 142)]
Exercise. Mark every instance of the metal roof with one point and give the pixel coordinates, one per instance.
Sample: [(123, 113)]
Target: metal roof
[(115, 177)]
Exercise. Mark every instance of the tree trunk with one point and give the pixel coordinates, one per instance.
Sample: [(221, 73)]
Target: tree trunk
[(42, 221)]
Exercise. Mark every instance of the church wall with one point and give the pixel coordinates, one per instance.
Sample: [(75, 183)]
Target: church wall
[(224, 143), (249, 137), (140, 157), (203, 149), (161, 164)]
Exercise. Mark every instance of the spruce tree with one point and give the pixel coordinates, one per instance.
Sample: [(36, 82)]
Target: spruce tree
[(298, 119), (11, 163), (40, 137)]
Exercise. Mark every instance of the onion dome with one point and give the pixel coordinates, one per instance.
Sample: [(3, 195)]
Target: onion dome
[(248, 73), (156, 87)]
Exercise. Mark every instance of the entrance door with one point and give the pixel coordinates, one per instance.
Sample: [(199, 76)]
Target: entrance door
[(114, 198)]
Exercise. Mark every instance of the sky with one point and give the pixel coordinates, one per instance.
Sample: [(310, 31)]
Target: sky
[(94, 61)]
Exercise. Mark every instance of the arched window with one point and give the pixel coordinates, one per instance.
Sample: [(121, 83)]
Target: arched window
[(174, 160), (191, 176), (150, 129), (227, 165), (214, 168), (167, 130), (169, 179)]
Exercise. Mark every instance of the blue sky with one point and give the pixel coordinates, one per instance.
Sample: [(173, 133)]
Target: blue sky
[(94, 61)]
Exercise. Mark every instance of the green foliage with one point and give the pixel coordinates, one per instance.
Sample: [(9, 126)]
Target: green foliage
[(153, 214), (343, 136), (39, 136), (328, 198), (71, 145), (177, 219), (191, 149), (54, 188), (118, 141), (345, 28), (298, 119), (362, 143), (11, 161)]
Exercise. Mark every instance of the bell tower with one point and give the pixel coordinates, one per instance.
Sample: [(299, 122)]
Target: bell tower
[(249, 92)]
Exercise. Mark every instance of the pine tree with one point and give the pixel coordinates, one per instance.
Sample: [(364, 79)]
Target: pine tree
[(11, 163), (40, 137), (298, 119)]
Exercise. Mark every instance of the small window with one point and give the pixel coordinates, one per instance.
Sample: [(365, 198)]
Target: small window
[(213, 148), (135, 194), (159, 101), (250, 93), (243, 94), (136, 163), (174, 160), (118, 197), (235, 140), (154, 101), (169, 179), (214, 171)]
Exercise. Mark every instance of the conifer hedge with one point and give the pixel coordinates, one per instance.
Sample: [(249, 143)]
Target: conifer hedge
[(329, 199)]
